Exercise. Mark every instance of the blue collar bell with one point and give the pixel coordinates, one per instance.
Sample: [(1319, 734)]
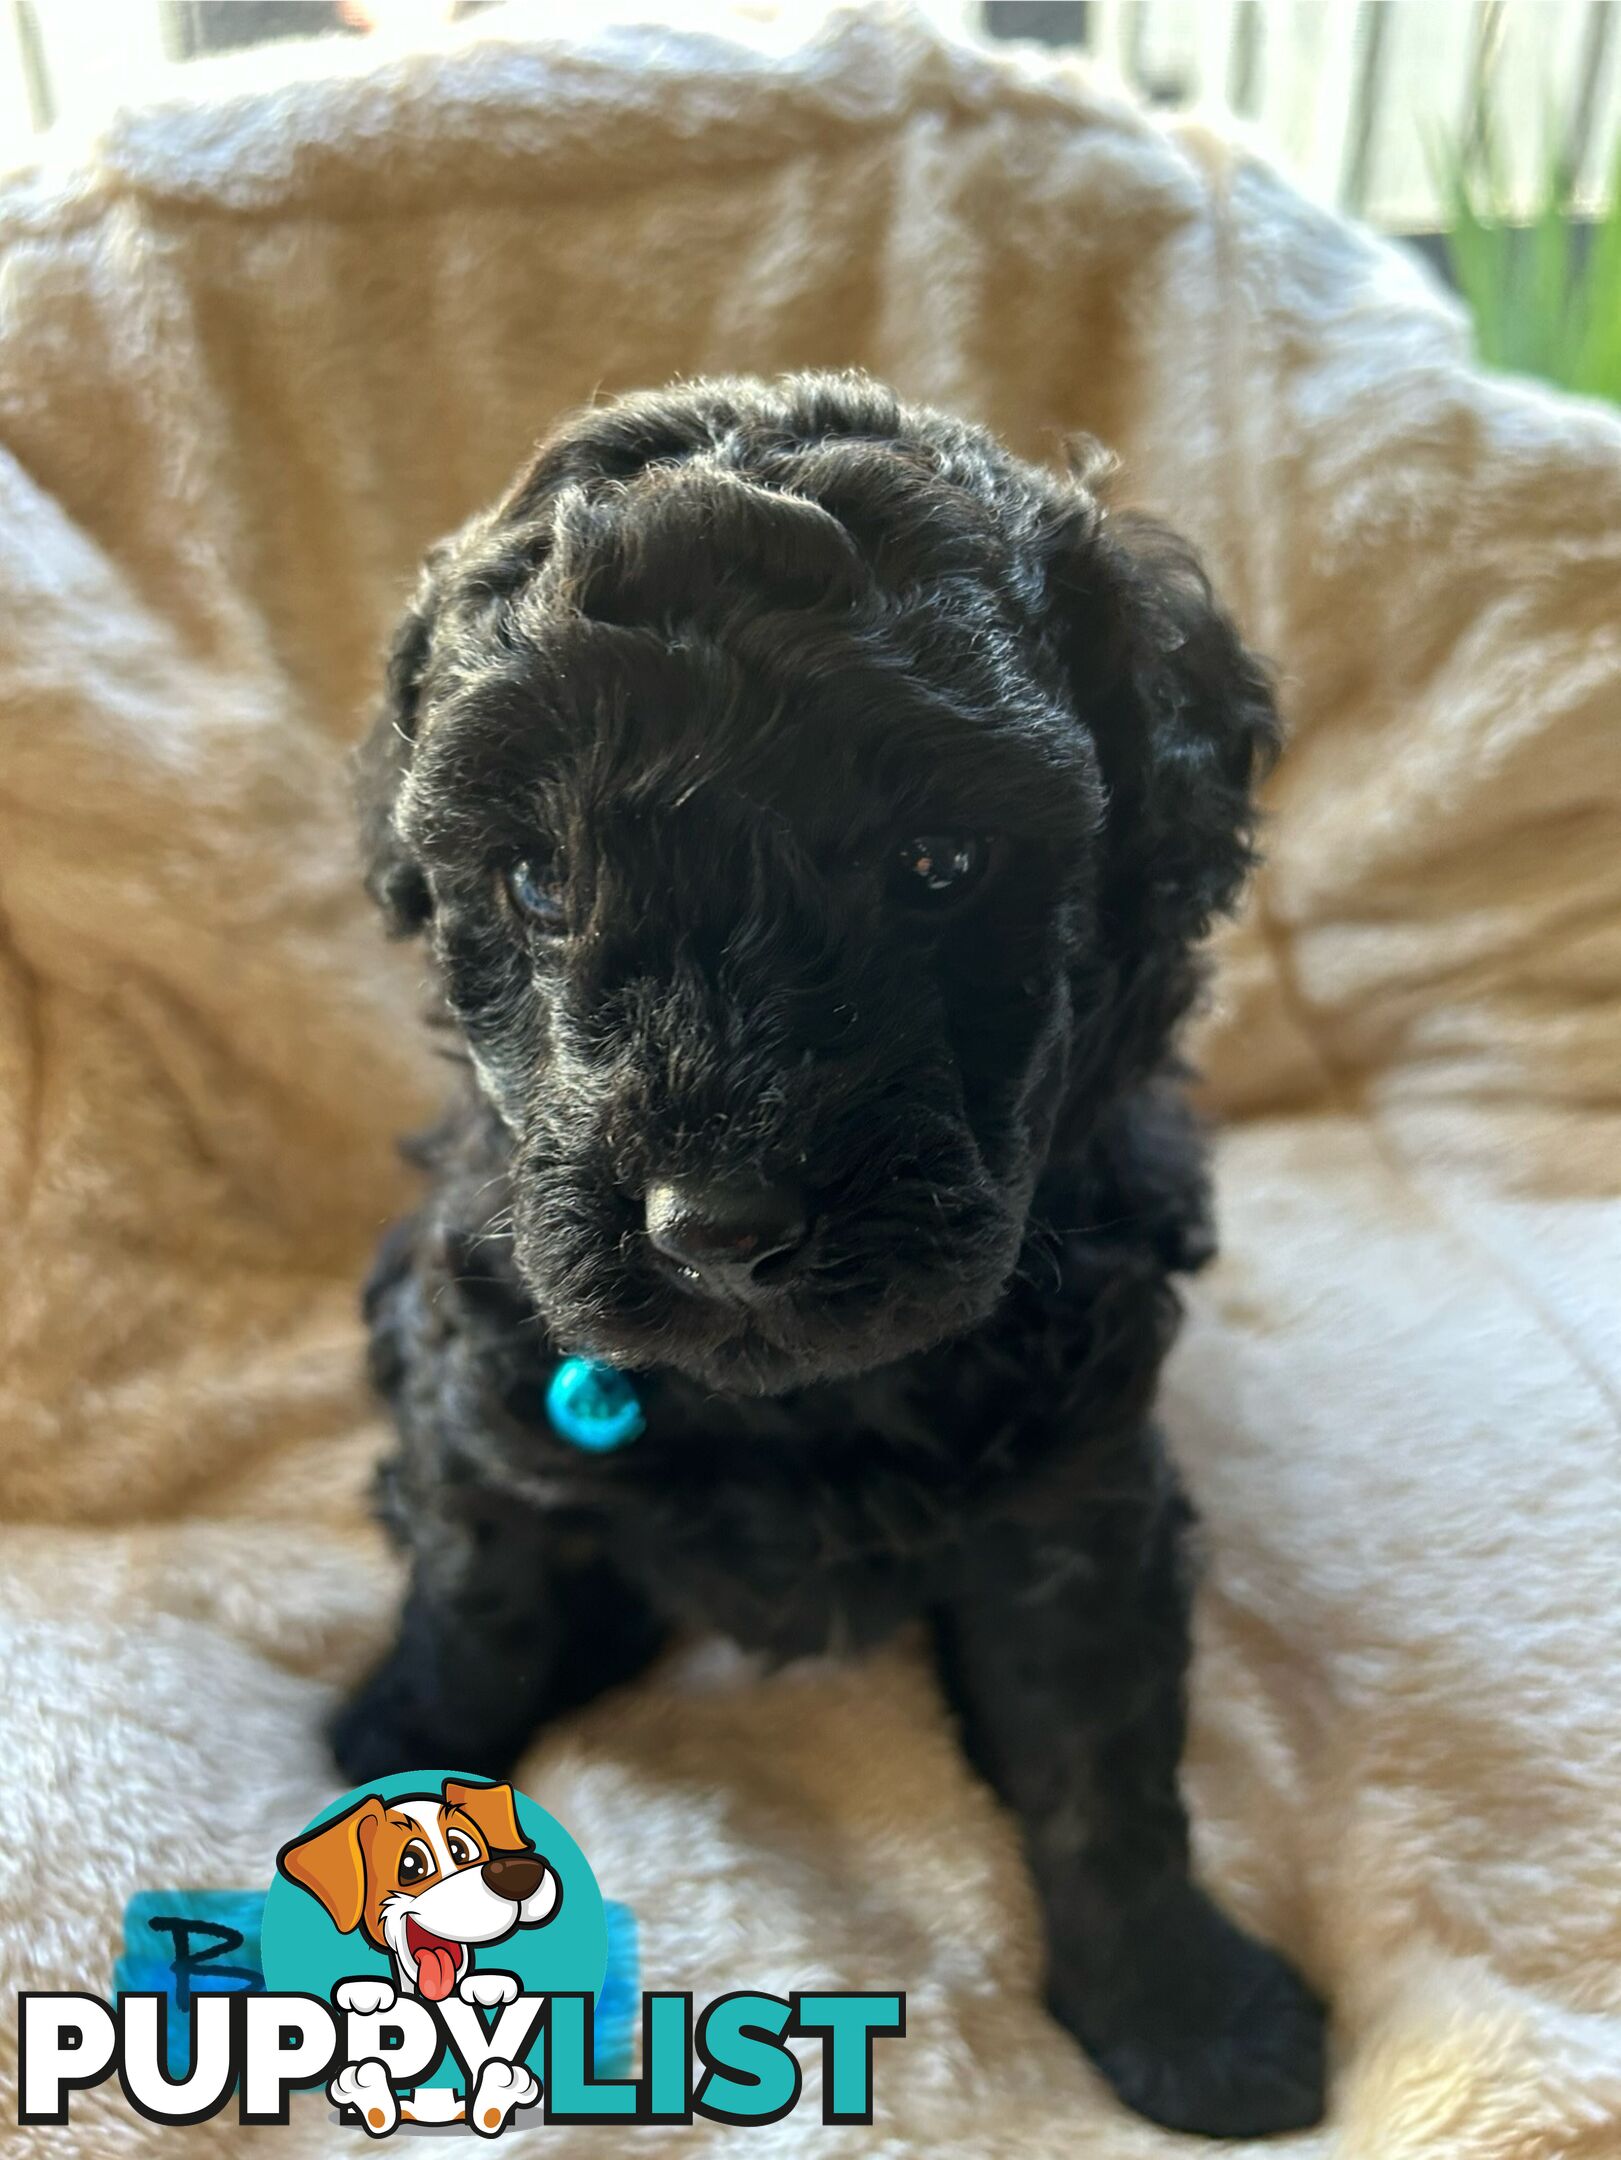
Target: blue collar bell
[(594, 1406)]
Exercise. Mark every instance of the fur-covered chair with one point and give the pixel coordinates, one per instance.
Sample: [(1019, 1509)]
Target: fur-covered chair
[(259, 348)]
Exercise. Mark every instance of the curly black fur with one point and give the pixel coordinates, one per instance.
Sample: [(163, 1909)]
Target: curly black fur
[(715, 657)]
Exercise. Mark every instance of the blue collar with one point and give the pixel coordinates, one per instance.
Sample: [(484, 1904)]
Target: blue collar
[(594, 1406)]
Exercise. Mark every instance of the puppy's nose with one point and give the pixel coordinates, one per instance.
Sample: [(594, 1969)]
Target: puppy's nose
[(725, 1229), (513, 1875)]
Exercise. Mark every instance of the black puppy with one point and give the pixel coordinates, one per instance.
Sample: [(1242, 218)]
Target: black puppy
[(813, 811)]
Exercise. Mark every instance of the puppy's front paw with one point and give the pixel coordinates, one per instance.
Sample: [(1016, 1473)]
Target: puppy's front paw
[(385, 1727), (366, 1998), (501, 2090), (489, 1990), (378, 1730), (389, 1725), (1198, 2026), (365, 2087)]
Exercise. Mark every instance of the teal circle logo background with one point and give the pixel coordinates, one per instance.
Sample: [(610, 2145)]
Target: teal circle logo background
[(304, 1954)]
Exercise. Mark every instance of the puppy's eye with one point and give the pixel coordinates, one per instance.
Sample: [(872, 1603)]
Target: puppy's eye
[(461, 1849), (536, 892), (416, 1862), (932, 870)]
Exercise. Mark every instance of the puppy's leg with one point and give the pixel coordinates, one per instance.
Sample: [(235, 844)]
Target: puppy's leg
[(1065, 1656), (505, 1625)]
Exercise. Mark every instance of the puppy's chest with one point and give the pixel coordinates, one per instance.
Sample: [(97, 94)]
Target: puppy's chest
[(795, 1529), (819, 1521)]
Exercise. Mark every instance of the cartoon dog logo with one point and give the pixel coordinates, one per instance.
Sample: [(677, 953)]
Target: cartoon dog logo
[(429, 1879)]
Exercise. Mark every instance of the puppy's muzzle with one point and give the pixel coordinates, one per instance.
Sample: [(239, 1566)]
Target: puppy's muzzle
[(513, 1876), (733, 1235)]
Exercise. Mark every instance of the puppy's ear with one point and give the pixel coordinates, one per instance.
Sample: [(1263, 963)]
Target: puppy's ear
[(330, 1862), (1181, 713), (393, 879), (492, 1811)]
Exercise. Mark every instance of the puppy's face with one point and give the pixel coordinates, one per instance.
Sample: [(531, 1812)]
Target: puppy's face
[(774, 938), (738, 766)]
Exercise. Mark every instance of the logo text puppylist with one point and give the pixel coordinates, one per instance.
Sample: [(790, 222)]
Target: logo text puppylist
[(432, 1950)]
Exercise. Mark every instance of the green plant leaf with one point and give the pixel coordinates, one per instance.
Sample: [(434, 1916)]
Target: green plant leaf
[(1596, 357), (1545, 294)]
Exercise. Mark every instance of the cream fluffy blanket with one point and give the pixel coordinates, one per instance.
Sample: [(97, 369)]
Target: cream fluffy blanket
[(255, 353)]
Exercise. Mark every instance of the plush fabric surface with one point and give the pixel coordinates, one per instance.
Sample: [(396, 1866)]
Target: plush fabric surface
[(255, 353)]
